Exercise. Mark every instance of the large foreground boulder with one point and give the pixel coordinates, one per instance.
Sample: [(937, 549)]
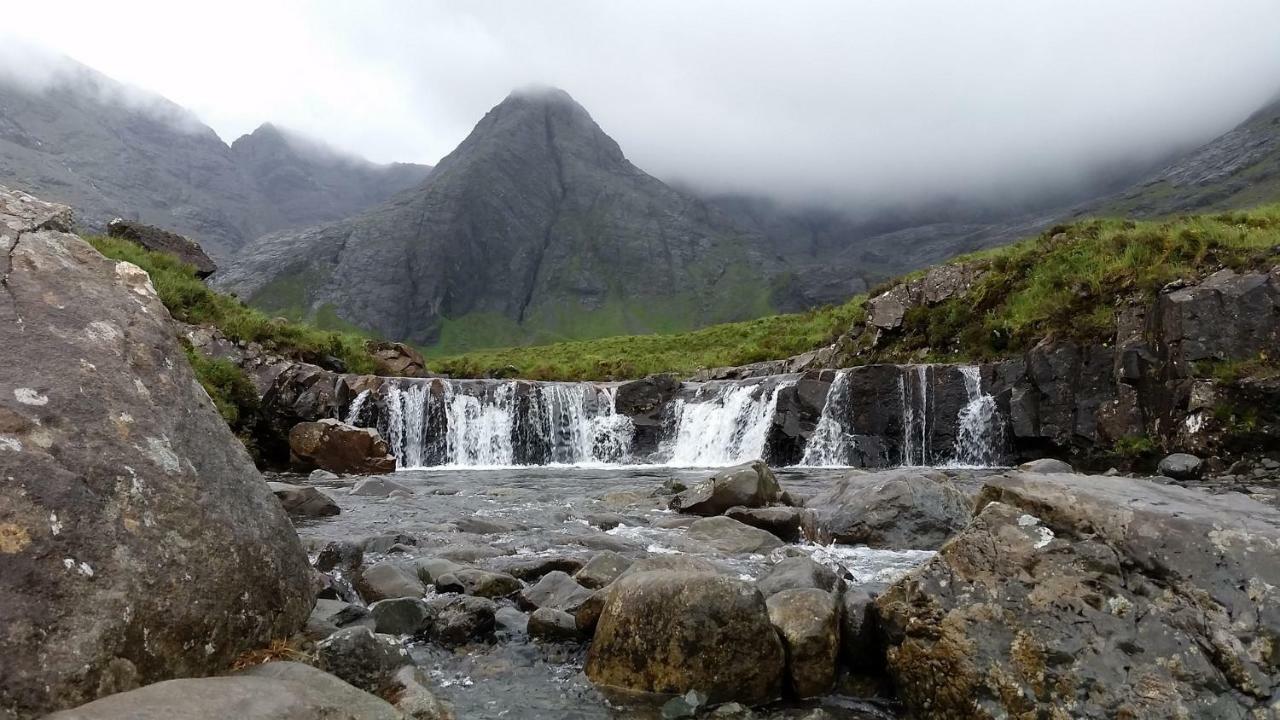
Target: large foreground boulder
[(137, 540), (671, 632), (1093, 597), (170, 243), (905, 509), (335, 446), (749, 485)]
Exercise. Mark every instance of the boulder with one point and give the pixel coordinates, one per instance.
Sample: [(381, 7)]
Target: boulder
[(797, 572), (481, 583), (1181, 466), (359, 656), (460, 619), (303, 501), (859, 640), (298, 392), (272, 691), (389, 579), (603, 568), (1092, 597), (163, 241), (730, 536), (378, 487), (671, 632), (385, 542), (1046, 465), (415, 699), (341, 555), (748, 485), (133, 524), (904, 509), (553, 625), (785, 523), (338, 447), (396, 359), (808, 619), (530, 569), (401, 616), (431, 569), (555, 590)]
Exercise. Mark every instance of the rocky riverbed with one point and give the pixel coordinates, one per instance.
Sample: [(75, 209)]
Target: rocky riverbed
[(526, 521)]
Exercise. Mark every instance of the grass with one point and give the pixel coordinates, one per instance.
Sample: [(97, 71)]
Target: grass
[(1063, 284)]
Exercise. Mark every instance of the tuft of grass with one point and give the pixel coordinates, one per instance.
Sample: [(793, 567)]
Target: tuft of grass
[(191, 301)]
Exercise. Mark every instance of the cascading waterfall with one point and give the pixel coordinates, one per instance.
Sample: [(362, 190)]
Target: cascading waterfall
[(830, 443), (723, 424), (357, 405), (913, 389), (980, 432)]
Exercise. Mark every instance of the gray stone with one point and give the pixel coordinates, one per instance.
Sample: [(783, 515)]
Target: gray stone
[(389, 579), (431, 569), (330, 616), (672, 632), (340, 555), (531, 569), (460, 619), (378, 487), (808, 619), (906, 509), (414, 697), (361, 657), (785, 523), (318, 476), (511, 621), (304, 501), (859, 642), (1046, 465), (1109, 597), (482, 583), (1181, 466), (133, 524), (730, 536), (748, 485), (553, 625), (401, 616), (555, 590), (602, 569), (157, 240), (798, 572)]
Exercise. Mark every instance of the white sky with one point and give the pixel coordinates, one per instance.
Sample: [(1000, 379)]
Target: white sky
[(861, 101)]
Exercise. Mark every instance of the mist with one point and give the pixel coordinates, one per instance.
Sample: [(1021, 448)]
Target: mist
[(849, 104)]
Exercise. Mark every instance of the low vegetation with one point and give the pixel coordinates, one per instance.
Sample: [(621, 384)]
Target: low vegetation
[(1064, 283)]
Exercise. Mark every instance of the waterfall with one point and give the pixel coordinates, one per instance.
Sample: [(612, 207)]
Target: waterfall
[(830, 444), (913, 391), (487, 424), (723, 424), (353, 413), (980, 432)]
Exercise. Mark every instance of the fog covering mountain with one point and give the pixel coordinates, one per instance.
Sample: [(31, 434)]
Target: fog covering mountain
[(108, 150), (535, 228)]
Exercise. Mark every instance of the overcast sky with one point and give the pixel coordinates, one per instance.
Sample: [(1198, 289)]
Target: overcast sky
[(860, 101)]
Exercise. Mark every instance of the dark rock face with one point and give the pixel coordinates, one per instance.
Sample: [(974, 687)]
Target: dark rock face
[(672, 632), (133, 524), (153, 238), (750, 485), (538, 219), (109, 151), (337, 447), (894, 509), (1096, 596), (644, 401)]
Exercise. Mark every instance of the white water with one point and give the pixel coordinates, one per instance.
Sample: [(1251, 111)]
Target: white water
[(353, 413), (723, 425), (913, 389), (830, 443), (980, 432)]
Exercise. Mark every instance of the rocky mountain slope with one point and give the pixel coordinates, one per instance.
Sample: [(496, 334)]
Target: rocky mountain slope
[(536, 227), (110, 150)]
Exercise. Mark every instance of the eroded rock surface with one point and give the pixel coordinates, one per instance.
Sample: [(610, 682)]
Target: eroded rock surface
[(340, 448)]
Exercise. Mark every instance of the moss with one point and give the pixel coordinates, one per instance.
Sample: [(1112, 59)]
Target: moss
[(232, 392), (1135, 447)]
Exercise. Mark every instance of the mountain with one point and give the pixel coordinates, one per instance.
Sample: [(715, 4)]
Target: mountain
[(535, 228), (110, 150)]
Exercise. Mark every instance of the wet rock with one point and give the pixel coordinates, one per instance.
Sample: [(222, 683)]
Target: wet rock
[(1181, 466), (128, 509), (730, 536), (340, 555), (644, 401), (393, 359), (384, 543), (532, 569), (797, 572), (511, 621), (685, 563), (1100, 597), (304, 501), (319, 476), (481, 583), (485, 526), (808, 621), (1046, 465), (672, 632), (906, 509), (298, 392), (858, 639), (330, 616), (415, 699), (748, 485), (605, 521), (363, 658), (556, 590), (401, 616), (389, 579), (602, 569), (431, 569), (163, 241), (470, 553), (340, 448), (684, 706), (272, 691), (588, 613), (553, 625), (785, 523), (378, 487), (460, 619)]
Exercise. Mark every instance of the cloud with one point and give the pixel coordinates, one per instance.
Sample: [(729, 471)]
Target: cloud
[(856, 103)]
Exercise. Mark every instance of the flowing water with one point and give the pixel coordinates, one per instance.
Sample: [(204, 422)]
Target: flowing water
[(723, 424), (980, 436)]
